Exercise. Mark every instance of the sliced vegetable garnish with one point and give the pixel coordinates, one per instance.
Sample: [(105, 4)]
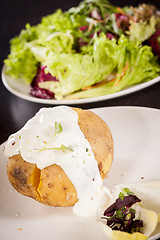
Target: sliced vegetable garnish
[(120, 215)]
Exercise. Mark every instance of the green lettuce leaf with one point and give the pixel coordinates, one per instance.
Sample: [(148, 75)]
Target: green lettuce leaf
[(21, 61), (135, 64), (77, 71), (55, 33), (56, 43), (61, 21), (143, 30)]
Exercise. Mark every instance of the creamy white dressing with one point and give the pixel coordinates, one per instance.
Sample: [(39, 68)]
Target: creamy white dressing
[(35, 140)]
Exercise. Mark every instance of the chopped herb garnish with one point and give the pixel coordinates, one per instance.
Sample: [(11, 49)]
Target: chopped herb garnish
[(87, 150), (127, 191), (58, 129), (62, 147), (121, 195), (120, 215)]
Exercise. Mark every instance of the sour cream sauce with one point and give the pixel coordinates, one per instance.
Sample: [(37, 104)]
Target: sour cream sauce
[(35, 140)]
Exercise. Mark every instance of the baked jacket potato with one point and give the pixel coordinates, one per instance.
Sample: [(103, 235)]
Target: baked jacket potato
[(51, 186)]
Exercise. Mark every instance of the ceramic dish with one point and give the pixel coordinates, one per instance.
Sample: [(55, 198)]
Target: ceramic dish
[(136, 134), (21, 89)]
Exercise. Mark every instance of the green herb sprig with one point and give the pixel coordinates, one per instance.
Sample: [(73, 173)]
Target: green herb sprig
[(62, 147), (58, 129)]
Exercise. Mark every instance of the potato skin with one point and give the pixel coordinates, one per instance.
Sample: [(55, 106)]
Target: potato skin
[(51, 186), (98, 134), (55, 187)]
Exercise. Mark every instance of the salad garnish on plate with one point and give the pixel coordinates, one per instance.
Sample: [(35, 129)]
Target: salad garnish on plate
[(125, 217)]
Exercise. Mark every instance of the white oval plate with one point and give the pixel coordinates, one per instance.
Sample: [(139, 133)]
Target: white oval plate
[(136, 134), (21, 89)]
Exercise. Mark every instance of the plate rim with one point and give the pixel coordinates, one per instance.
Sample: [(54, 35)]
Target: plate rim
[(123, 92)]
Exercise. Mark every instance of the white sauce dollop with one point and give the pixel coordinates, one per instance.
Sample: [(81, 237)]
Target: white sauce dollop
[(78, 163)]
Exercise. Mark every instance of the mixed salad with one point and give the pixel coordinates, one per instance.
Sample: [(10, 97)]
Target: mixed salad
[(90, 50)]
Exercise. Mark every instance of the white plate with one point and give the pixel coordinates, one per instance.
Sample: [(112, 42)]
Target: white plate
[(136, 134), (20, 89)]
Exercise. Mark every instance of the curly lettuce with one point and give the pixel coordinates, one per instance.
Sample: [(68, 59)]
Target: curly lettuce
[(135, 64), (77, 71), (21, 62), (143, 30), (30, 48)]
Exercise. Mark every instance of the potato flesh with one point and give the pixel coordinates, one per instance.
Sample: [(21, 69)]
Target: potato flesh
[(23, 176), (51, 186)]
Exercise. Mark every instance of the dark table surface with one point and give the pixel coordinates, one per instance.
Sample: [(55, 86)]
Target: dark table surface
[(14, 111)]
